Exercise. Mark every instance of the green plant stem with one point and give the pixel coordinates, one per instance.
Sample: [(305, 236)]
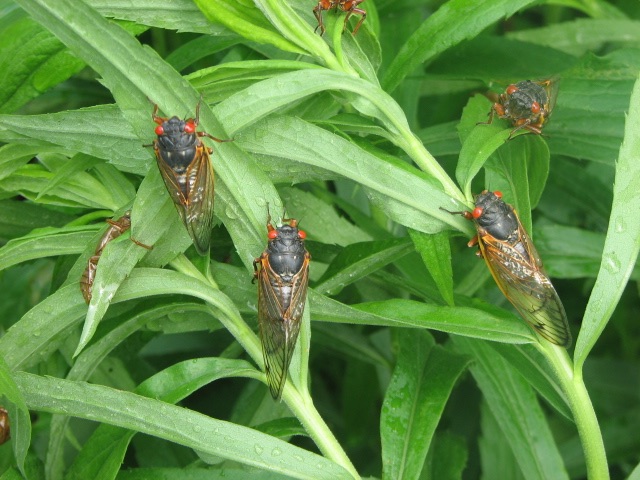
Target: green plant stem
[(582, 409), (337, 48), (302, 406), (298, 401), (421, 156)]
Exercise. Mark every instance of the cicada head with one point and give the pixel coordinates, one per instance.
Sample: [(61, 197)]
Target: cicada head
[(493, 215), (175, 133)]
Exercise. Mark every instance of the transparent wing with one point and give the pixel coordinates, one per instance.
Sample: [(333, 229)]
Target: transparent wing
[(198, 214), (518, 271), (279, 328)]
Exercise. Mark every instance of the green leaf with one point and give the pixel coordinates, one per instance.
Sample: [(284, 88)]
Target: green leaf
[(537, 372), (244, 18), (435, 251), (255, 102), (44, 61), (571, 252), (405, 194), (422, 381), (496, 453), (359, 260), (176, 424), (43, 328), (180, 15), (47, 242), (479, 142), (447, 457), (317, 215), (453, 22), (596, 90), (519, 170), (19, 218), (80, 190), (100, 132), (579, 36), (87, 362), (623, 237), (478, 320), (514, 405)]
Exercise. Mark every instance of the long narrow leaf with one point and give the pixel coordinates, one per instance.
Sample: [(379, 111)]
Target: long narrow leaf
[(623, 237)]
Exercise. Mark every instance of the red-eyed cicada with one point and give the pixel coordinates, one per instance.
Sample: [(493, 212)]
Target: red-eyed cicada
[(282, 272), (5, 430), (187, 172), (116, 228), (516, 267), (526, 104), (349, 6)]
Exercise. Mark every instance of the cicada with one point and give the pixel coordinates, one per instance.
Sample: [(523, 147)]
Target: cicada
[(516, 267), (116, 228), (349, 6), (187, 172), (5, 429), (526, 104), (282, 272)]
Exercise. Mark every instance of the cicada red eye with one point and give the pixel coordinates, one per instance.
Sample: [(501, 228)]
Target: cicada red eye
[(477, 212), (159, 130), (273, 234), (302, 234), (189, 127), (511, 89), (535, 107), (498, 193)]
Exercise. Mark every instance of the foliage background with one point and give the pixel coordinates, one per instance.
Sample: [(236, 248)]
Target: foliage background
[(416, 363)]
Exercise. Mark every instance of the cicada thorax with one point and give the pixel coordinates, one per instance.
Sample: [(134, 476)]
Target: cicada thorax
[(516, 267), (5, 429), (282, 272), (185, 165), (116, 228)]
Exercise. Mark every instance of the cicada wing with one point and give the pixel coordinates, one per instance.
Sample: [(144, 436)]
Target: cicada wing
[(518, 272), (279, 327), (198, 212)]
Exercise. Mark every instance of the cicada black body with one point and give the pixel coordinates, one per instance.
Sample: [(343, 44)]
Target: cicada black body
[(187, 172), (349, 6), (116, 228), (5, 429), (526, 104), (516, 267), (282, 272)]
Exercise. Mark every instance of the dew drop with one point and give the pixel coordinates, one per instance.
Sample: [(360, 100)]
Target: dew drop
[(611, 263), (258, 449)]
